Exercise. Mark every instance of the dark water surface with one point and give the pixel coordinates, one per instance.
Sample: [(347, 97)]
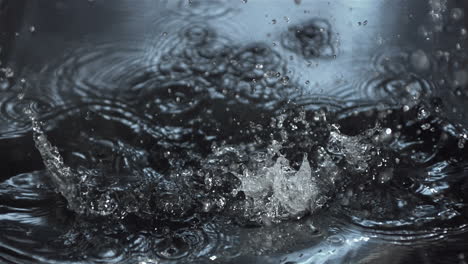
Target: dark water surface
[(233, 132)]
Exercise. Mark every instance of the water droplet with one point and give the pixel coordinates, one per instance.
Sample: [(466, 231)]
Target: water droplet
[(463, 32), (285, 80), (456, 13), (335, 240), (420, 60), (423, 113), (88, 116), (32, 29), (425, 126), (8, 72), (386, 175)]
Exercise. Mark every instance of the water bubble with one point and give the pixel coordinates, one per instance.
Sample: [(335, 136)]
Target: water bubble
[(336, 240), (425, 126), (463, 32), (457, 13), (423, 113), (461, 143), (7, 72), (311, 39), (420, 60)]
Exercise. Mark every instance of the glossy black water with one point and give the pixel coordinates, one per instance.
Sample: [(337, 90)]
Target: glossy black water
[(179, 136)]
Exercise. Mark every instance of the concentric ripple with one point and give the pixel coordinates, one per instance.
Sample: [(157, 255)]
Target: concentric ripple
[(12, 112), (406, 192), (420, 197), (399, 77), (36, 227), (311, 39), (405, 89), (209, 9), (194, 147), (98, 71)]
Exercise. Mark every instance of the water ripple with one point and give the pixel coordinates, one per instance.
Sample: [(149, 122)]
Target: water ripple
[(12, 112), (311, 39), (399, 77), (97, 71)]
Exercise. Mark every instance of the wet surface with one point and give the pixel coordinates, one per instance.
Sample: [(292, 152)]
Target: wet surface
[(234, 132)]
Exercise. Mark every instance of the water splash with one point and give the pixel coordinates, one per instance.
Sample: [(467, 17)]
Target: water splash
[(311, 39), (203, 148)]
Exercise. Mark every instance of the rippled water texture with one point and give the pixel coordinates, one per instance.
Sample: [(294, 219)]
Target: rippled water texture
[(234, 132)]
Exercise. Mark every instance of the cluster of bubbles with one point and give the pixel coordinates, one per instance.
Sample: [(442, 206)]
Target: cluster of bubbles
[(312, 39), (400, 78)]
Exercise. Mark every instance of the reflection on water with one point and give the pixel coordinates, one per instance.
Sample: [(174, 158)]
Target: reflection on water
[(297, 144)]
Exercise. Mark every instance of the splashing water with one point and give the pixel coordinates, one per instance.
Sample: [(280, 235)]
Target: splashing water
[(192, 146)]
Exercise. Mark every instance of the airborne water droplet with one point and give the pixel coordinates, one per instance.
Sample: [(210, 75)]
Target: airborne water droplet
[(423, 113), (456, 13), (425, 126), (461, 143)]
